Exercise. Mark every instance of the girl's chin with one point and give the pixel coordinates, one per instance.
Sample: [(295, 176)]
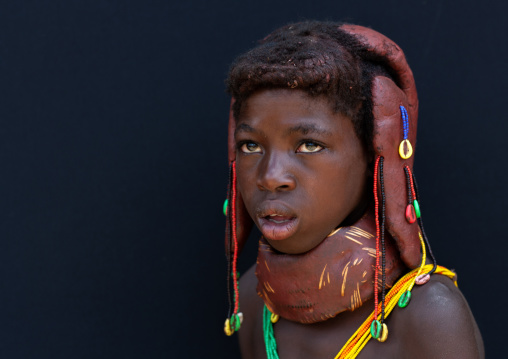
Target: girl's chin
[(292, 246)]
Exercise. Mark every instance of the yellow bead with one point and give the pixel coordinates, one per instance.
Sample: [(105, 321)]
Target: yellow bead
[(384, 334), (407, 152), (227, 328), (274, 318)]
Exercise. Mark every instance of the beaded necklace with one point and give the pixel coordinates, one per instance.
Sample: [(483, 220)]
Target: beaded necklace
[(361, 337)]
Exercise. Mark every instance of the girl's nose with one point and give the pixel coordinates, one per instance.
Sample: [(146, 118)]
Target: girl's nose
[(274, 174)]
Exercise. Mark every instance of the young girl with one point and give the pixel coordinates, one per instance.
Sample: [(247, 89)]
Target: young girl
[(321, 147)]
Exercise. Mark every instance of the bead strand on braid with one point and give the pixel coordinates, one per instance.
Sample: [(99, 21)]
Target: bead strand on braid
[(235, 241), (232, 323), (410, 209), (410, 176), (383, 254), (405, 121), (376, 209), (234, 320), (376, 326), (426, 240), (408, 184), (229, 255)]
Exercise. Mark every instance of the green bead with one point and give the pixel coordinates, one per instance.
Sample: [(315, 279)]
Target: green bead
[(417, 208), (404, 299), (235, 322), (225, 207), (375, 329)]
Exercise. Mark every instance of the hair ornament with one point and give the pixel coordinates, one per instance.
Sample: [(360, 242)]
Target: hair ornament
[(235, 319), (378, 328), (405, 148), (225, 207), (411, 213)]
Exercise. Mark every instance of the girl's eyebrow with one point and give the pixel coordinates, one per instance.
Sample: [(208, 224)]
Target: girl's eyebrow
[(306, 128), (303, 128), (243, 127)]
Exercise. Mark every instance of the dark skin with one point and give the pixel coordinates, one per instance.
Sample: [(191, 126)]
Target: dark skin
[(293, 156), (436, 324), (302, 172)]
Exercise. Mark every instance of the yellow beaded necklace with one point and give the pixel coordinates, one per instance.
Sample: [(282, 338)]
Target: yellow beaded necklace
[(362, 336)]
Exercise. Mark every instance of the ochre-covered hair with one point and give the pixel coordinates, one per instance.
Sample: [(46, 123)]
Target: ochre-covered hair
[(318, 58)]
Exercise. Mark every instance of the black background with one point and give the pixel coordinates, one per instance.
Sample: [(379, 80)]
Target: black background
[(113, 164)]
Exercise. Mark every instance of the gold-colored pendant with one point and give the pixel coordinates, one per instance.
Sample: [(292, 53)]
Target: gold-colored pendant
[(384, 334), (405, 149)]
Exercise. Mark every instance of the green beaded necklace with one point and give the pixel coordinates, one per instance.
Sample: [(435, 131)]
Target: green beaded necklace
[(271, 344)]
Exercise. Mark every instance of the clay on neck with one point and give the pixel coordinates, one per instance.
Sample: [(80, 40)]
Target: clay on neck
[(335, 276)]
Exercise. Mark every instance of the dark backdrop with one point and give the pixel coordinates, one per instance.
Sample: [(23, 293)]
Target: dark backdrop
[(113, 155)]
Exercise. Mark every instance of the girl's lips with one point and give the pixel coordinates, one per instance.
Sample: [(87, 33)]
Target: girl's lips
[(277, 227)]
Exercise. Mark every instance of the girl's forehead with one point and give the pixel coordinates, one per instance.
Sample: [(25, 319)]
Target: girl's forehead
[(270, 96), (295, 111)]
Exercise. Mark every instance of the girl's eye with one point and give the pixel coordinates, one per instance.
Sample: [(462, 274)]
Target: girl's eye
[(309, 147), (250, 147)]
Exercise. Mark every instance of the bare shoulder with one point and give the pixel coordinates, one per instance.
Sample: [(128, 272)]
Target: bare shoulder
[(250, 334), (439, 323)]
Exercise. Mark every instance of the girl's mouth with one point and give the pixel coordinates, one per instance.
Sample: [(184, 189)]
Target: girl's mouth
[(277, 227)]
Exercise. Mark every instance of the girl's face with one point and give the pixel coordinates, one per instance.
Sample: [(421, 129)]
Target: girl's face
[(301, 168)]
